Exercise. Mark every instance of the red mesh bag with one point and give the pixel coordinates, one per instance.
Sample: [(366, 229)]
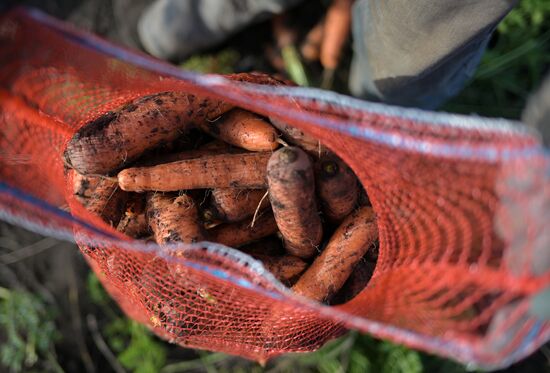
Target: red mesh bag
[(462, 204)]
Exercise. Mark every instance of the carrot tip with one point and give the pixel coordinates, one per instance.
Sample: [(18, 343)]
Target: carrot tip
[(288, 155)]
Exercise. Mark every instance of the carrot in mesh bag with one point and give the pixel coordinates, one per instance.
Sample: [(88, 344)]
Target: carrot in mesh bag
[(245, 171), (357, 233), (292, 196), (118, 137), (422, 170)]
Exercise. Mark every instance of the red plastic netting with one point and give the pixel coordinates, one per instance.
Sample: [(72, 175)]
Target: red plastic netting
[(461, 203)]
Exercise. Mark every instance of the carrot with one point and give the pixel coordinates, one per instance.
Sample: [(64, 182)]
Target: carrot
[(337, 28), (134, 221), (356, 282), (107, 201), (330, 270), (337, 187), (292, 196), (311, 47), (173, 218), (117, 138), (286, 268), (247, 170), (231, 205), (239, 234), (83, 186), (203, 151), (243, 129), (299, 138)]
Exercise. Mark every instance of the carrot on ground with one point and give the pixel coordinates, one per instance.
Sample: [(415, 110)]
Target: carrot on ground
[(337, 187), (231, 204), (292, 196), (243, 129), (242, 233), (247, 171), (173, 218), (119, 137), (330, 270)]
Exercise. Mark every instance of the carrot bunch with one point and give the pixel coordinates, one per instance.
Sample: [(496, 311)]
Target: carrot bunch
[(248, 182)]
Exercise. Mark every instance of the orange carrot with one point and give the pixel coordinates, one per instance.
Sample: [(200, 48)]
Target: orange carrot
[(117, 138), (330, 270), (242, 233), (245, 170), (203, 151), (243, 129), (337, 28), (231, 205), (173, 218), (337, 187), (286, 268), (107, 201), (83, 186), (292, 196), (356, 282)]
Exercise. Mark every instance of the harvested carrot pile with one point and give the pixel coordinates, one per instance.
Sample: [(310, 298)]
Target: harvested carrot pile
[(173, 167)]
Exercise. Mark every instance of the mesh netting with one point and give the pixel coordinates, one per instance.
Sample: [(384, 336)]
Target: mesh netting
[(461, 205)]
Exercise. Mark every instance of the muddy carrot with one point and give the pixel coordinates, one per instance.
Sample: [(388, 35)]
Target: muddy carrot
[(107, 201), (173, 218), (83, 186), (292, 196), (187, 154), (337, 27), (299, 138), (337, 187), (330, 270), (286, 268), (231, 205), (243, 129), (134, 221), (247, 170), (356, 282), (242, 233), (117, 138)]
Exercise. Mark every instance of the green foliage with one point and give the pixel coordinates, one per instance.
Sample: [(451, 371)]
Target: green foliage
[(29, 328), (513, 67), (221, 62), (136, 348), (96, 292)]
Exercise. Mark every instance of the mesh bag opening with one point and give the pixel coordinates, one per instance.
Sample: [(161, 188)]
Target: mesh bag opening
[(462, 203)]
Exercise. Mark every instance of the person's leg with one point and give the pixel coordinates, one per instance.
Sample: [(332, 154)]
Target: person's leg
[(174, 29), (419, 53)]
